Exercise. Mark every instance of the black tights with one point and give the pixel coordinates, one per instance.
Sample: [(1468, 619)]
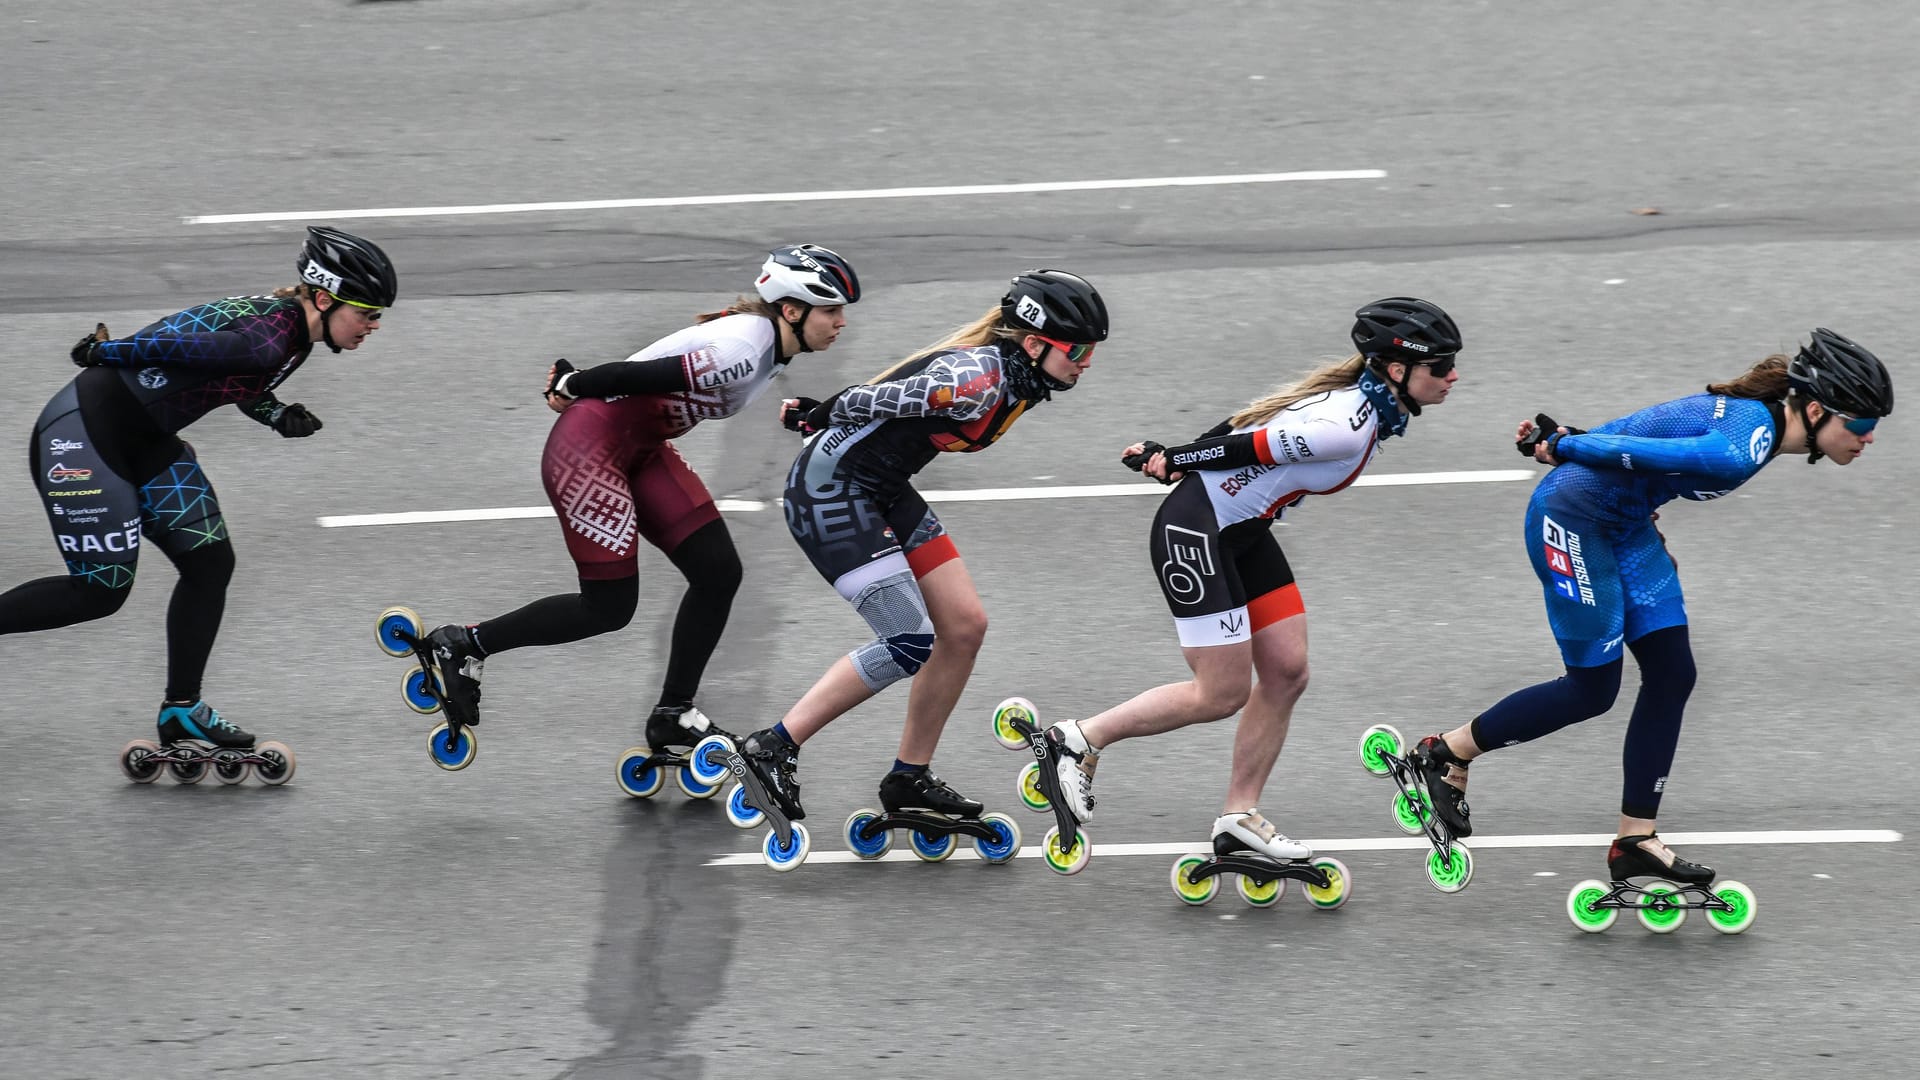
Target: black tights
[(709, 562)]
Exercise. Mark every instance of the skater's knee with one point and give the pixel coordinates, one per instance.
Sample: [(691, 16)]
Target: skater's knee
[(209, 567), (963, 631), (1666, 661), (92, 598), (1592, 690), (885, 661), (1219, 700), (609, 605), (1283, 680), (710, 562)]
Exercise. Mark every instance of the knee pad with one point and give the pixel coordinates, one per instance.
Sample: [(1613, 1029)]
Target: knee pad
[(903, 631)]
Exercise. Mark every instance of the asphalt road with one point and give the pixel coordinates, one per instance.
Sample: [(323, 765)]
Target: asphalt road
[(379, 918)]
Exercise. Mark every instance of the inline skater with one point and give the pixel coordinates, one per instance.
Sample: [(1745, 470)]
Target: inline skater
[(1609, 582), (112, 467), (852, 508), (1236, 607), (613, 476)]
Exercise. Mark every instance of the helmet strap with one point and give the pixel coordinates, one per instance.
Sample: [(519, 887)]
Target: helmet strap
[(326, 315), (1400, 385), (1813, 430), (798, 326)]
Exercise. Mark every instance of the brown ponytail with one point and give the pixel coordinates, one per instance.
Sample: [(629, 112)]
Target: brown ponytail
[(1764, 381)]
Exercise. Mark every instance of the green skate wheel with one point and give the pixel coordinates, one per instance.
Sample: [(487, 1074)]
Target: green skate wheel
[(1339, 884), (1744, 904), (1450, 870), (1660, 907), (1409, 811), (1260, 893), (1064, 862), (1192, 893), (1580, 907), (1031, 793), (1014, 708), (1378, 739)]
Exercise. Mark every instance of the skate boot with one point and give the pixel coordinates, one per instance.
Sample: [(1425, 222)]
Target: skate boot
[(1641, 856), (1072, 760), (199, 723), (919, 789), (675, 729), (774, 761), (1444, 776), (457, 663), (1251, 831)]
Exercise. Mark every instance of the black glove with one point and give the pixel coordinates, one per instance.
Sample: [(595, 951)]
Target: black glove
[(83, 352), (561, 369), (293, 421), (1138, 461), (793, 412), (1546, 430), (820, 417)]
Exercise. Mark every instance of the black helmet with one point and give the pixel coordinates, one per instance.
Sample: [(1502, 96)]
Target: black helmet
[(1057, 304), (1841, 375), (1405, 329), (808, 273), (350, 268)]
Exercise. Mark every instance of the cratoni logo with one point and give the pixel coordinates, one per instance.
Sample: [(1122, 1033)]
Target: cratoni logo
[(315, 274), (61, 474), (153, 378), (1759, 444), (61, 446), (1029, 311), (69, 494)]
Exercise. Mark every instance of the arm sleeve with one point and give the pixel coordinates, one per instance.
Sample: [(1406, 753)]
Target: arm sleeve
[(962, 386), (1281, 441), (208, 350), (659, 375), (1222, 428), (1708, 455), (1220, 452), (260, 408)]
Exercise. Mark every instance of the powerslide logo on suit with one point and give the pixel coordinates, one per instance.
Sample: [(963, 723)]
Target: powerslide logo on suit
[(1569, 567)]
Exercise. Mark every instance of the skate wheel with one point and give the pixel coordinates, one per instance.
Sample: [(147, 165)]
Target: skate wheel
[(421, 692), (1377, 740), (230, 766), (1191, 893), (1660, 907), (1064, 862), (881, 843), (1014, 708), (740, 812), (708, 761), (928, 847), (1339, 884), (1581, 909), (1031, 793), (392, 623), (636, 777), (136, 760), (450, 752), (1006, 839), (1260, 893), (188, 772), (689, 782), (1745, 907), (794, 852), (1409, 812), (1450, 870), (275, 763)]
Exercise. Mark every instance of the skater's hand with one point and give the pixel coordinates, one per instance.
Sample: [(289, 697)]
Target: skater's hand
[(794, 411), (1539, 438), (293, 421), (556, 395), (83, 355), (1135, 457)]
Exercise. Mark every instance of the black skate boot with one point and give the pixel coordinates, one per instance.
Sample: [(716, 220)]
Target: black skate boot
[(1444, 776), (675, 729), (457, 662), (1629, 858), (198, 722), (774, 760), (919, 789)]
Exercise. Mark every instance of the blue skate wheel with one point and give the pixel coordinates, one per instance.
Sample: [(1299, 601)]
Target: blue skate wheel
[(711, 773), (689, 781), (636, 777), (929, 847), (1006, 839), (422, 693), (394, 622), (785, 857), (452, 754), (874, 848), (739, 812)]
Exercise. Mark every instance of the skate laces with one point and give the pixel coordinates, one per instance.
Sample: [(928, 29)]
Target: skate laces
[(203, 715)]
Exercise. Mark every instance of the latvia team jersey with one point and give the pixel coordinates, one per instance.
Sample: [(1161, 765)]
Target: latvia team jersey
[(729, 362)]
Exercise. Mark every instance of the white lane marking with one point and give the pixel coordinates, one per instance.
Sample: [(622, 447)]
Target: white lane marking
[(794, 196), (1091, 491), (1395, 843)]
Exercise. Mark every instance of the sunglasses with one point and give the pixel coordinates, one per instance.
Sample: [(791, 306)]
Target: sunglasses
[(1075, 353), (1439, 367), (1859, 425)]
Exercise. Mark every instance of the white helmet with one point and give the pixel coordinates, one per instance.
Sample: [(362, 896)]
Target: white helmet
[(808, 273)]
